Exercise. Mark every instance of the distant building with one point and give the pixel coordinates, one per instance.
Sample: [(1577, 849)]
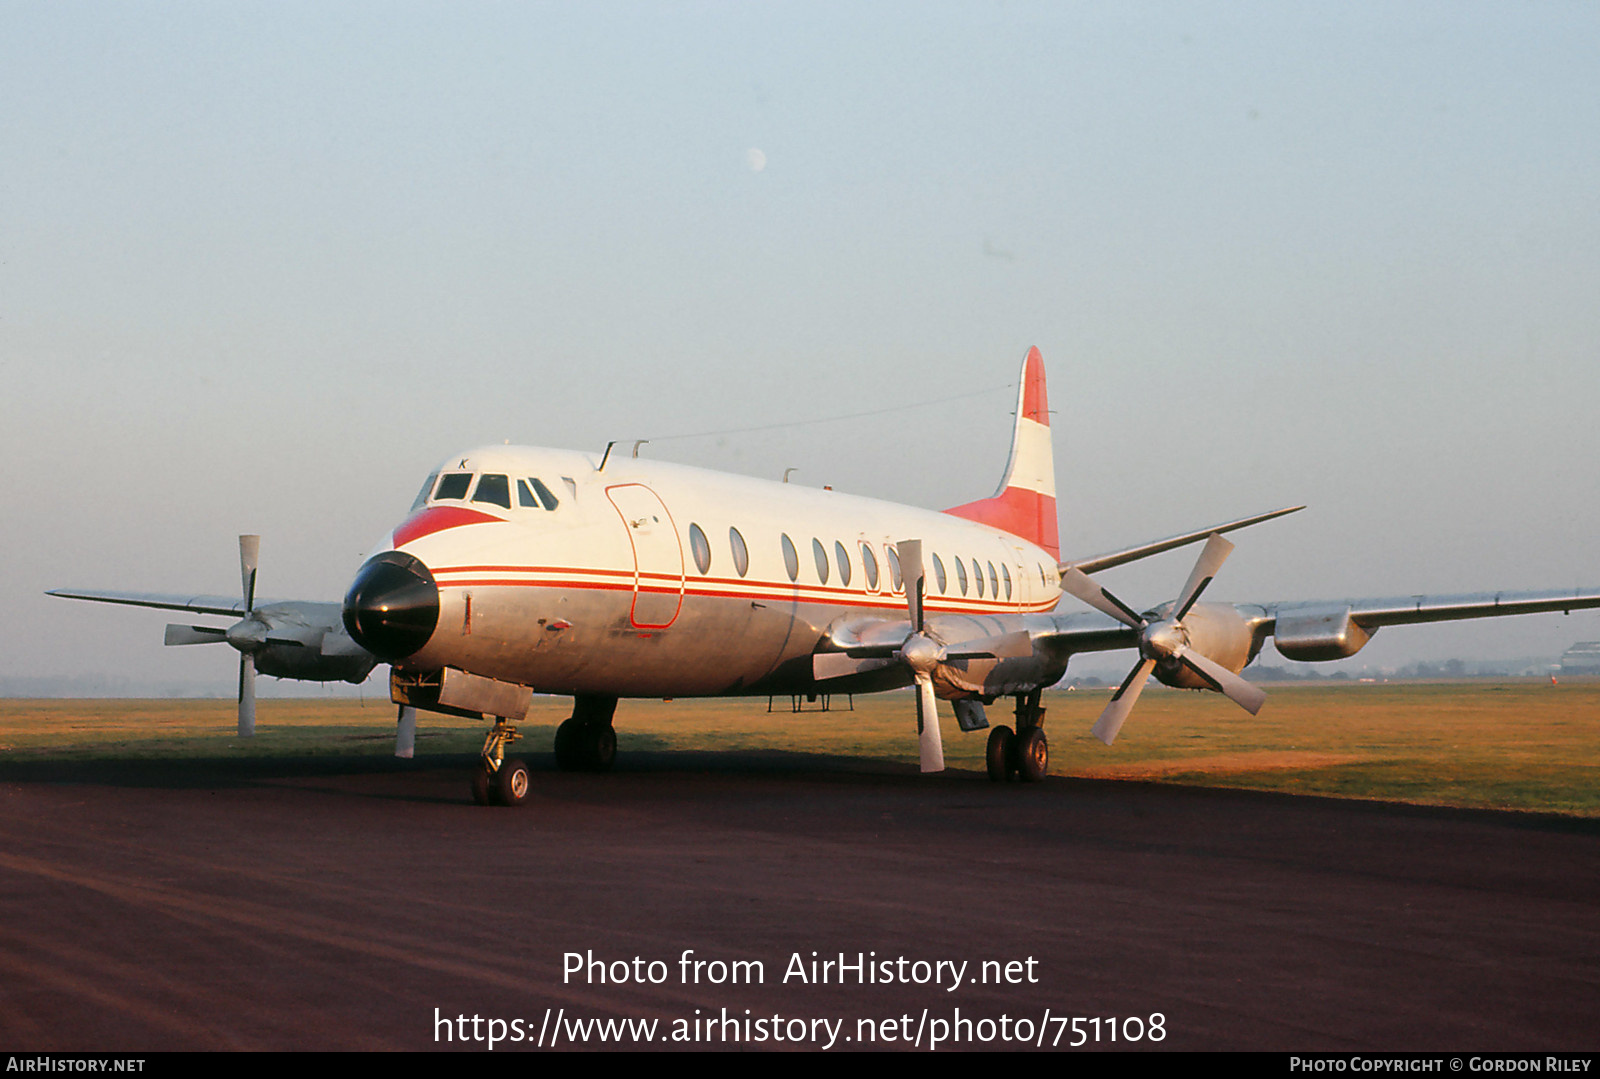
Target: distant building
[(1581, 658)]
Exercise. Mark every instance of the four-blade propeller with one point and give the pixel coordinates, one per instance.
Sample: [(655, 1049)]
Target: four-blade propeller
[(1163, 641), (275, 626), (247, 636), (922, 653)]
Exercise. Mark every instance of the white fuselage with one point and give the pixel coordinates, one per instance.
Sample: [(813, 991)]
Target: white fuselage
[(633, 585)]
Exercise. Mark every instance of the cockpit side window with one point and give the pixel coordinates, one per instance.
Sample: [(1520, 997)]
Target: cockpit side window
[(495, 489), (453, 485), (525, 496), (545, 496), (427, 489)]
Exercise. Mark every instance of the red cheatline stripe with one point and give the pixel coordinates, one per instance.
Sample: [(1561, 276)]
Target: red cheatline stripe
[(935, 606)]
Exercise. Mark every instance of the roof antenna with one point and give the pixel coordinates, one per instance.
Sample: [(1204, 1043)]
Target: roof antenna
[(637, 443), (601, 467), (789, 470)]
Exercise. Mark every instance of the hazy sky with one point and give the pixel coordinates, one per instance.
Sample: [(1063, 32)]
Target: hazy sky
[(262, 265)]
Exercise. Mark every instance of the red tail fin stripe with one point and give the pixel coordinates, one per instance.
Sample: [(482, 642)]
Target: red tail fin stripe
[(1025, 504), (1035, 404), (1022, 513)]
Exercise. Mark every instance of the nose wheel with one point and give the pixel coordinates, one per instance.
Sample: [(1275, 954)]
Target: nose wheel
[(498, 780)]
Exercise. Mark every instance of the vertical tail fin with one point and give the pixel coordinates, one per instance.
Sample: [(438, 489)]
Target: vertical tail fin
[(1025, 504)]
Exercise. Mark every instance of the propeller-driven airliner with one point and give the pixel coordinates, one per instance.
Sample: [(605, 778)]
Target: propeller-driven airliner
[(603, 576)]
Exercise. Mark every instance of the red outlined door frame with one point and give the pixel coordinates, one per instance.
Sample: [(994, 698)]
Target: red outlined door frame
[(658, 570)]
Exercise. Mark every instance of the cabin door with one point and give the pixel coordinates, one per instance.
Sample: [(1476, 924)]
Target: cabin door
[(657, 555)]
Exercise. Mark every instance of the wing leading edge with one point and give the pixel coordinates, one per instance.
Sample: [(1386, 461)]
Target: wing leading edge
[(161, 601)]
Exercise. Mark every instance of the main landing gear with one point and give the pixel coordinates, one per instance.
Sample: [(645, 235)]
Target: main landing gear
[(1024, 755), (587, 742)]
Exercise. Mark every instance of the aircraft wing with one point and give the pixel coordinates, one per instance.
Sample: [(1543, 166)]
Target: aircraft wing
[(1404, 610), (1313, 630), (1145, 550), (1334, 629), (161, 601)]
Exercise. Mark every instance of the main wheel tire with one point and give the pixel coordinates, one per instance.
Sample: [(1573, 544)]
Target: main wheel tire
[(569, 757), (1001, 753), (511, 783), (480, 785), (1033, 755)]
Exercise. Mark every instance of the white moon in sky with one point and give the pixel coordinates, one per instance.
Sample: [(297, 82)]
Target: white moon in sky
[(756, 159)]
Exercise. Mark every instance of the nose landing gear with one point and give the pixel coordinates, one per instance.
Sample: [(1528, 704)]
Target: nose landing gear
[(498, 781), (584, 743)]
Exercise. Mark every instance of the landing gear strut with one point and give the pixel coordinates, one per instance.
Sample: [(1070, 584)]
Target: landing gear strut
[(587, 742), (1024, 755), (498, 781)]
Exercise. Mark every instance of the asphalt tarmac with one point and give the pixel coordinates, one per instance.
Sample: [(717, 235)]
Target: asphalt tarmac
[(352, 903)]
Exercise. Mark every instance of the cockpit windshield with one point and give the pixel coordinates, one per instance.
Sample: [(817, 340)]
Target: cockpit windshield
[(453, 485), (494, 488)]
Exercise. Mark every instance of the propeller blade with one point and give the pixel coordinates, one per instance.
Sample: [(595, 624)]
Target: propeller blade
[(1211, 559), (930, 740), (911, 571), (405, 735), (1122, 702), (177, 634), (826, 665), (249, 554), (1246, 695), (1018, 645), (1080, 584), (247, 695)]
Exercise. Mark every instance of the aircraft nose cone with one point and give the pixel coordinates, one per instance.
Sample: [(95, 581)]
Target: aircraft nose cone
[(392, 606)]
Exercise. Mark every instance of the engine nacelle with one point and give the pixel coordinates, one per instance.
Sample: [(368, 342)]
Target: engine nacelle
[(1310, 634), (312, 665), (1219, 633)]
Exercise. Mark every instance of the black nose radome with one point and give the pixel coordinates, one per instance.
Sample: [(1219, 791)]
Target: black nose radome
[(392, 606)]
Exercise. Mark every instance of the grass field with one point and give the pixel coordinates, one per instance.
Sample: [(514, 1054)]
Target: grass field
[(1523, 745)]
